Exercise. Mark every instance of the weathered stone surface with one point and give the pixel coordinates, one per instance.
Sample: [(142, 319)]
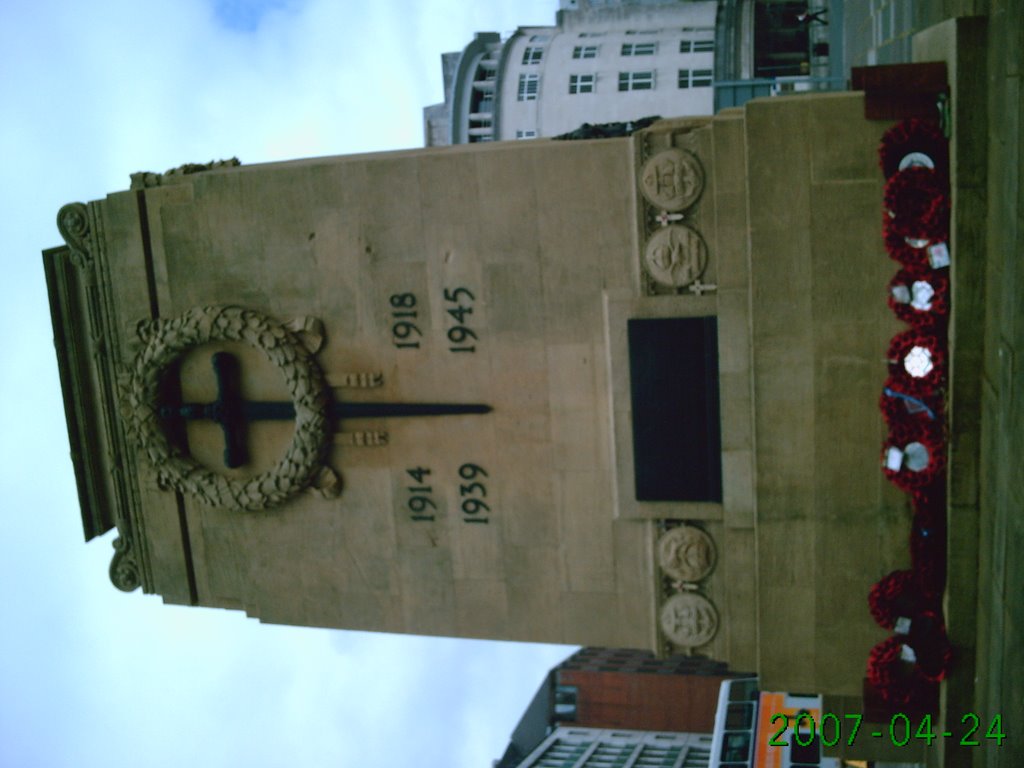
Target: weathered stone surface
[(506, 275)]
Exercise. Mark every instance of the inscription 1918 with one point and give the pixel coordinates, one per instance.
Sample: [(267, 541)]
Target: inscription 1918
[(404, 318), (403, 315)]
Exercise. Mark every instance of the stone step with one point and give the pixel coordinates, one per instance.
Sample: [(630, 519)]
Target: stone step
[(828, 524)]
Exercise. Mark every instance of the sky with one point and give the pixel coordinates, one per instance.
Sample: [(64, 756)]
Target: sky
[(90, 676)]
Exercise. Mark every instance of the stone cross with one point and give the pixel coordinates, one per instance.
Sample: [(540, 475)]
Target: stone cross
[(232, 412), (699, 288)]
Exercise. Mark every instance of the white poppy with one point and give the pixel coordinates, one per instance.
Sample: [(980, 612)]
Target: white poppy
[(916, 160), (915, 457), (923, 293), (918, 362)]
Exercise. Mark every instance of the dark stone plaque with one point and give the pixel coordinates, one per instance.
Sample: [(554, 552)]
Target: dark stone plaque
[(677, 444)]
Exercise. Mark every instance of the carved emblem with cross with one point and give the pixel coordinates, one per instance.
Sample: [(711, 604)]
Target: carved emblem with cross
[(314, 410)]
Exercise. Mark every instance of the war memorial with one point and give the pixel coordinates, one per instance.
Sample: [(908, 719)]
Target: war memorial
[(617, 392)]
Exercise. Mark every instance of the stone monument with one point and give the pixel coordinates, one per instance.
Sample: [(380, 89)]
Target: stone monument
[(615, 392)]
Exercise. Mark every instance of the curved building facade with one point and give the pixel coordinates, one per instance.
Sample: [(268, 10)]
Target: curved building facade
[(600, 62)]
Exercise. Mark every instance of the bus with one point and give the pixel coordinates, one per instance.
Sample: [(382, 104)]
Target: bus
[(760, 729)]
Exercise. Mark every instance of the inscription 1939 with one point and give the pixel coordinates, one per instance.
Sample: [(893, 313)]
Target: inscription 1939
[(472, 494), (422, 506)]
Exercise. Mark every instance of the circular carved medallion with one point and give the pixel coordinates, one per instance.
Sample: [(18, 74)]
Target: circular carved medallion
[(686, 553), (689, 620), (673, 179), (675, 256), (165, 341)]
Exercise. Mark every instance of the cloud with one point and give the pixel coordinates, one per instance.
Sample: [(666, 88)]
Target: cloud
[(99, 677)]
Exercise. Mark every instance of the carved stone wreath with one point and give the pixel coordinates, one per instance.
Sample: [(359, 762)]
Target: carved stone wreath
[(303, 461)]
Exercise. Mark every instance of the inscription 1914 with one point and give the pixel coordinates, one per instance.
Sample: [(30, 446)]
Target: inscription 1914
[(421, 505), (420, 501)]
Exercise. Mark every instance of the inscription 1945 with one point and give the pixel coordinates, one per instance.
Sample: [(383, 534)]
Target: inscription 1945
[(460, 332), (406, 332)]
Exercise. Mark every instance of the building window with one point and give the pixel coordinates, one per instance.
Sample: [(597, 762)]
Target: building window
[(636, 81), (539, 38), (739, 716), (532, 55), (736, 747), (581, 83), (528, 85), (639, 49), (696, 46), (592, 34), (526, 134), (584, 52), (565, 702), (697, 78), (641, 31)]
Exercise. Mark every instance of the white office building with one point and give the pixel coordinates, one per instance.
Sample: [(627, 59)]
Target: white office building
[(603, 61), (599, 748)]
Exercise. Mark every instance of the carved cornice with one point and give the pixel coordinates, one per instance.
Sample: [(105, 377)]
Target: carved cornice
[(85, 331), (124, 567), (73, 342), (73, 224), (146, 179)]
